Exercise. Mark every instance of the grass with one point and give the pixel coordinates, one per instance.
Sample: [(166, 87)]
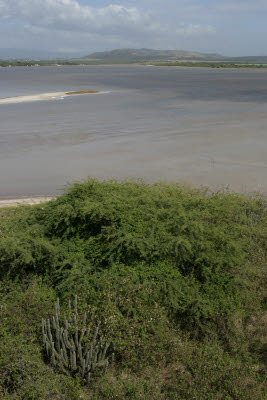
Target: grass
[(175, 275)]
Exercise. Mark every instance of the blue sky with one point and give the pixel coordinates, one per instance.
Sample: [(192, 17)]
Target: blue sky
[(229, 27)]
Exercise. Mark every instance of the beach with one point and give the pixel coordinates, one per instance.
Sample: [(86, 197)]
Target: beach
[(24, 202)]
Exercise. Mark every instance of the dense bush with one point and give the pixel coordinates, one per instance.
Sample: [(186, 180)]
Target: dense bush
[(176, 274)]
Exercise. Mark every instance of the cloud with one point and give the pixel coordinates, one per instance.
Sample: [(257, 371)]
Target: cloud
[(69, 24), (114, 19), (69, 15)]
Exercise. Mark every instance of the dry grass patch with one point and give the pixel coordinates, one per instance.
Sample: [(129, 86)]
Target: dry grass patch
[(83, 92)]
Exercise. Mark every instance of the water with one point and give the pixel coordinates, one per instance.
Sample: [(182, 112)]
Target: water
[(197, 126)]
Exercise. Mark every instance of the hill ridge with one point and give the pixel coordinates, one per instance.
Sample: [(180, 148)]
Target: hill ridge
[(145, 54)]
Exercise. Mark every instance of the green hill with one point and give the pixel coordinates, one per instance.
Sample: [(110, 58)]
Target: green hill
[(148, 54)]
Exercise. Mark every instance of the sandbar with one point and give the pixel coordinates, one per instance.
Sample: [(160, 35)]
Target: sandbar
[(46, 96)]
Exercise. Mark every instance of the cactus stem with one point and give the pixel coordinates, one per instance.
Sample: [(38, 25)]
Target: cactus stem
[(69, 350)]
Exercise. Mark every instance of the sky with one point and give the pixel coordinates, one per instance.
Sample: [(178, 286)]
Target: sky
[(228, 27)]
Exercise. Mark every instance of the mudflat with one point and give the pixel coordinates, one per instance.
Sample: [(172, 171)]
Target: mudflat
[(192, 125)]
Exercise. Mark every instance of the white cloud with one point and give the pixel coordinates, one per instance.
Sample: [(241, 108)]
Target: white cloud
[(67, 24), (69, 15)]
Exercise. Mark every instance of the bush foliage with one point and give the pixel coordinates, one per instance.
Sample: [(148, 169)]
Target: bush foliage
[(176, 274)]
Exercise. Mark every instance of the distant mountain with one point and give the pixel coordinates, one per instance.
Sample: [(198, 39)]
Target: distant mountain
[(149, 54), (127, 55)]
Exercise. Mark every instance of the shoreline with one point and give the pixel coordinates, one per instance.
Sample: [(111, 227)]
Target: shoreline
[(47, 96), (10, 201), (155, 63), (29, 201)]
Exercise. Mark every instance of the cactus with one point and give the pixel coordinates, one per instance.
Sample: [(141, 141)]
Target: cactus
[(74, 347)]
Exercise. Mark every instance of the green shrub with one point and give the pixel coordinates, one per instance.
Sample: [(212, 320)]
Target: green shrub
[(176, 274)]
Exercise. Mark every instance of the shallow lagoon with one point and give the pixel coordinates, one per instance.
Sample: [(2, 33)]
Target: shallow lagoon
[(197, 126)]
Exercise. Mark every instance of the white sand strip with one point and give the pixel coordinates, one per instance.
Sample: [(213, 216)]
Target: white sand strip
[(24, 202), (42, 97)]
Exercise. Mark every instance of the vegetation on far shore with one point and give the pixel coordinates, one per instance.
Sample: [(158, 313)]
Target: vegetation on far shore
[(176, 276), (144, 56), (84, 62), (205, 64)]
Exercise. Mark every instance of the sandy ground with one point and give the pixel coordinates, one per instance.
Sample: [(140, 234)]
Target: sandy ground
[(24, 202), (41, 97)]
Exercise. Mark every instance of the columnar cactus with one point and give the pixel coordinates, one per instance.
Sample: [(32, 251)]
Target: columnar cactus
[(72, 346)]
